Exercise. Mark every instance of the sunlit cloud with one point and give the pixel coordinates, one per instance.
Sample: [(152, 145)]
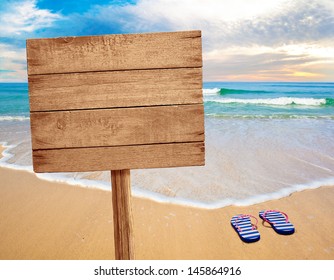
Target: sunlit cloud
[(293, 62), (178, 13), (243, 39), (305, 74)]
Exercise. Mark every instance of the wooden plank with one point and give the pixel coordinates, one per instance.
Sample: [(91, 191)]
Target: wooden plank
[(115, 89), (113, 127), (114, 52), (122, 214), (118, 158)]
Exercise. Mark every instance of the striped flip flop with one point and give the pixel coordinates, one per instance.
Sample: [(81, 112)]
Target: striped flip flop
[(278, 220), (244, 227)]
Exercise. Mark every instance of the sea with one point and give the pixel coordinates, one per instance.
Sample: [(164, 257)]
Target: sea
[(263, 140)]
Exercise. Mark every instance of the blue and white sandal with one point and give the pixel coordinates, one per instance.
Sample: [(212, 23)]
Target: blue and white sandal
[(278, 220), (244, 227)]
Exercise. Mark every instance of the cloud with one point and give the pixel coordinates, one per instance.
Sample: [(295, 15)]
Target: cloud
[(195, 13), (302, 21), (225, 22), (12, 63), (21, 17), (243, 39), (222, 20), (286, 62)]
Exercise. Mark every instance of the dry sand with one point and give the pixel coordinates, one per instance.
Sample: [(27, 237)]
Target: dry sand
[(47, 220)]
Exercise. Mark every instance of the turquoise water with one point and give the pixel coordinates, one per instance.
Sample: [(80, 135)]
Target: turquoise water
[(263, 141), (14, 101), (269, 100)]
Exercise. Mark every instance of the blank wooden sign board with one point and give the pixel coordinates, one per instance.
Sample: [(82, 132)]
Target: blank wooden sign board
[(116, 102)]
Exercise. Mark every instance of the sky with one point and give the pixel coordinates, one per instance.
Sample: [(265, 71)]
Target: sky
[(243, 40)]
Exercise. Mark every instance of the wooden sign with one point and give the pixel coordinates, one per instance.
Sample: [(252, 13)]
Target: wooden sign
[(116, 102)]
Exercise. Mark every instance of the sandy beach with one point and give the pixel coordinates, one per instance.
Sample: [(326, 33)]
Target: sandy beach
[(48, 220)]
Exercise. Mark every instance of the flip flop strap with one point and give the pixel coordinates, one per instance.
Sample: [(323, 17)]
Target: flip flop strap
[(244, 216), (272, 211)]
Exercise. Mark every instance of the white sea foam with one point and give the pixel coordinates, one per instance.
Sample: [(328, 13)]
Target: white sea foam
[(211, 91), (272, 116), (6, 156), (13, 118), (138, 192), (81, 182), (279, 101), (284, 192)]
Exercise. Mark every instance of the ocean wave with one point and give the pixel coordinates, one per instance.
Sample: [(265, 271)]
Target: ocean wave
[(13, 118), (225, 91), (270, 117), (211, 91), (279, 101)]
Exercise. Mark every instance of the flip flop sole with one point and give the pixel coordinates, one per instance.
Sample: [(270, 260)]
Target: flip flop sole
[(278, 222), (244, 228)]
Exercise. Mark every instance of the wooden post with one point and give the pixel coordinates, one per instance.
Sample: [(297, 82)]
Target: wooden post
[(122, 213)]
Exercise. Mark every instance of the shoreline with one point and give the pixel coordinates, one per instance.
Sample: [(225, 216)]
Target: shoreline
[(50, 220), (158, 198)]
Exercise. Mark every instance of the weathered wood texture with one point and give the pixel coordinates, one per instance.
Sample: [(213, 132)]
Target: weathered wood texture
[(114, 52), (116, 101), (122, 214), (117, 127), (115, 89), (120, 157)]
